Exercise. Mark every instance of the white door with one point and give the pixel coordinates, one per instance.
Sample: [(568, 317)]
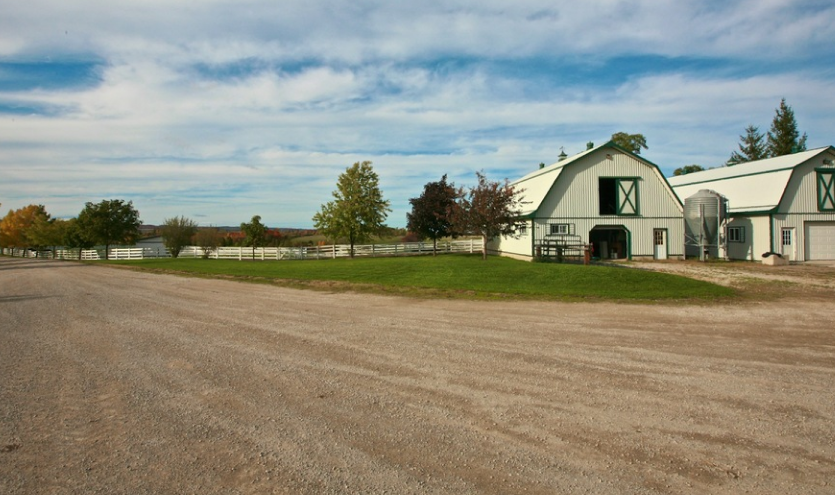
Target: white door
[(660, 239), (820, 241), (787, 242)]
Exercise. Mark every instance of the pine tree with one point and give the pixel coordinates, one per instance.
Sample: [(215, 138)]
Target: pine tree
[(784, 138), (751, 147)]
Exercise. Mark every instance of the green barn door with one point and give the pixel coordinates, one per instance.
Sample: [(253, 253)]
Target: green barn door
[(627, 197)]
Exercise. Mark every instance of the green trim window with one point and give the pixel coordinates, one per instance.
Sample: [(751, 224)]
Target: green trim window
[(559, 229), (736, 234), (618, 196), (522, 229), (826, 190)]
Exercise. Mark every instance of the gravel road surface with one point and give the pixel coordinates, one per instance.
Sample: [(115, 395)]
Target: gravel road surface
[(122, 382)]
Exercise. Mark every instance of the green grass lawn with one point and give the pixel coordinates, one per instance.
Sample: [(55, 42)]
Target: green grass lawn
[(465, 276)]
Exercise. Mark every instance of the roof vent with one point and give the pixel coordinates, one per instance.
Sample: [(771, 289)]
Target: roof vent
[(562, 156)]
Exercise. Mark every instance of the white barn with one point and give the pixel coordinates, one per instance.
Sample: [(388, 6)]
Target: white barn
[(614, 200), (780, 205)]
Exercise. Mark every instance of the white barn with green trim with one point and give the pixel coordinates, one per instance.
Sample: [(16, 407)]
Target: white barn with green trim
[(780, 205), (606, 197)]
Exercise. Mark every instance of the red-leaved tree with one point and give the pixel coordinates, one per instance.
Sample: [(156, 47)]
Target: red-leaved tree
[(490, 209), (432, 211)]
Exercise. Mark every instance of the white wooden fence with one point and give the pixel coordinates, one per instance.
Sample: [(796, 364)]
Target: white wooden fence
[(267, 253)]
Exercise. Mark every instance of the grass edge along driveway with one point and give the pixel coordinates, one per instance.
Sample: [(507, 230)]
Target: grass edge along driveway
[(459, 276)]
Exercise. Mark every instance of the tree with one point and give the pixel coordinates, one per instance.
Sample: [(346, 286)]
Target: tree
[(208, 239), (177, 233), (358, 209), (48, 232), (431, 214), (255, 232), (784, 138), (489, 209), (688, 169), (630, 142), (75, 237), (109, 222), (751, 147), (15, 226)]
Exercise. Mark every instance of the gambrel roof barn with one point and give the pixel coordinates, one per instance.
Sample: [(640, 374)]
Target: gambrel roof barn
[(606, 197), (782, 205)]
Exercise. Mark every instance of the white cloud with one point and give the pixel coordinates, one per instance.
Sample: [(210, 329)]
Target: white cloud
[(219, 108)]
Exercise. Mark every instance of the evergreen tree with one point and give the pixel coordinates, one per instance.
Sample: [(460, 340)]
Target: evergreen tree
[(751, 147), (784, 138)]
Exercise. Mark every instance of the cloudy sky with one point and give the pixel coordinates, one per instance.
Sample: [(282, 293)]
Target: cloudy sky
[(221, 110)]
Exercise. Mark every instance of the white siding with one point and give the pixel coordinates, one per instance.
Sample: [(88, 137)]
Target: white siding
[(801, 194), (573, 198), (519, 247), (799, 206), (576, 192), (756, 238)]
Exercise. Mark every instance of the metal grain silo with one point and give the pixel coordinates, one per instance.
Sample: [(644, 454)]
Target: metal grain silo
[(705, 214)]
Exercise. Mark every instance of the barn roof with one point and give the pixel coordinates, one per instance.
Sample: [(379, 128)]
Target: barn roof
[(751, 187), (538, 183)]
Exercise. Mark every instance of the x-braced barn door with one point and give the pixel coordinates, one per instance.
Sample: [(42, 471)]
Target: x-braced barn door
[(627, 197)]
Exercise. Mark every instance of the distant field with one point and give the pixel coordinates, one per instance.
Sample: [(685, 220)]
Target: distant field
[(459, 276)]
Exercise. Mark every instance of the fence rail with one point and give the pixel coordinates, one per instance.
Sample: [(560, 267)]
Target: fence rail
[(264, 254)]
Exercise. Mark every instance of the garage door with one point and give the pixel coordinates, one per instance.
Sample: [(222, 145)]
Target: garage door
[(820, 241)]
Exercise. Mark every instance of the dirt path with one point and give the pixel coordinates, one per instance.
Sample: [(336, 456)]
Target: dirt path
[(114, 381)]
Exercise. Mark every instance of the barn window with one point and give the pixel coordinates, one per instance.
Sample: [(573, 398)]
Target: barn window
[(522, 229), (618, 196), (736, 234), (826, 190), (560, 229)]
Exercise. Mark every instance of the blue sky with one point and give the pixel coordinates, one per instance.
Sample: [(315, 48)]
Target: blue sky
[(220, 110)]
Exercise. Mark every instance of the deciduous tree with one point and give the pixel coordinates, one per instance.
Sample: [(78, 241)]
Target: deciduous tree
[(15, 226), (177, 233), (255, 232), (630, 142), (784, 138), (208, 239), (109, 222), (489, 209), (688, 169), (432, 211), (76, 238), (358, 209), (48, 232)]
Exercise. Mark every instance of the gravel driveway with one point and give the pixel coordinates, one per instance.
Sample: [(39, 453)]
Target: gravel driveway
[(115, 381)]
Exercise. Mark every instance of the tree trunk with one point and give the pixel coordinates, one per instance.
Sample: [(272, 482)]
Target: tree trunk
[(484, 247)]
